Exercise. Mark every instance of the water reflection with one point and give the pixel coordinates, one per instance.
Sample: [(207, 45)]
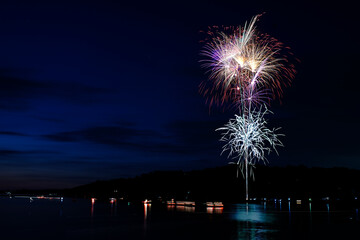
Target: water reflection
[(328, 211), (216, 210), (113, 206), (92, 207), (289, 203), (310, 214), (147, 208), (170, 207), (252, 221), (252, 213), (185, 208)]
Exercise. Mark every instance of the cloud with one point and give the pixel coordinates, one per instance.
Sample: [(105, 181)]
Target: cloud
[(118, 136), (8, 152), (12, 133), (195, 132), (16, 93), (176, 138), (103, 134), (49, 119)]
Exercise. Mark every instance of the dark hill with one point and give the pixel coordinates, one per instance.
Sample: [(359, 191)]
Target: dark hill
[(221, 184)]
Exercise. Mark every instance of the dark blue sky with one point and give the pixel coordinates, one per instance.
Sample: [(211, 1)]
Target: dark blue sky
[(100, 90)]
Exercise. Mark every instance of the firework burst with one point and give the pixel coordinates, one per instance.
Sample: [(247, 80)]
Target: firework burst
[(244, 61), (246, 69), (247, 135), (248, 140)]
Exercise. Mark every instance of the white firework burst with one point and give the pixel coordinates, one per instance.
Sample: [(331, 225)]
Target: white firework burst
[(248, 140)]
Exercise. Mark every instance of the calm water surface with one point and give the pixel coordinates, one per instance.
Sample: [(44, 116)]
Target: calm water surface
[(80, 219)]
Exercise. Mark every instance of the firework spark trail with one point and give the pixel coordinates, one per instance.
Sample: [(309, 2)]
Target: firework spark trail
[(248, 134), (248, 140), (241, 59), (246, 68)]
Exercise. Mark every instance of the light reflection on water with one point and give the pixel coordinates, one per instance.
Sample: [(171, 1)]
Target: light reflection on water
[(216, 210), (147, 208), (185, 208), (253, 221), (170, 207), (289, 211), (113, 207), (252, 213), (135, 221), (92, 208)]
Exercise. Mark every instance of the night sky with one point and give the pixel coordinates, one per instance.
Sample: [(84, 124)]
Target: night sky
[(100, 90)]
